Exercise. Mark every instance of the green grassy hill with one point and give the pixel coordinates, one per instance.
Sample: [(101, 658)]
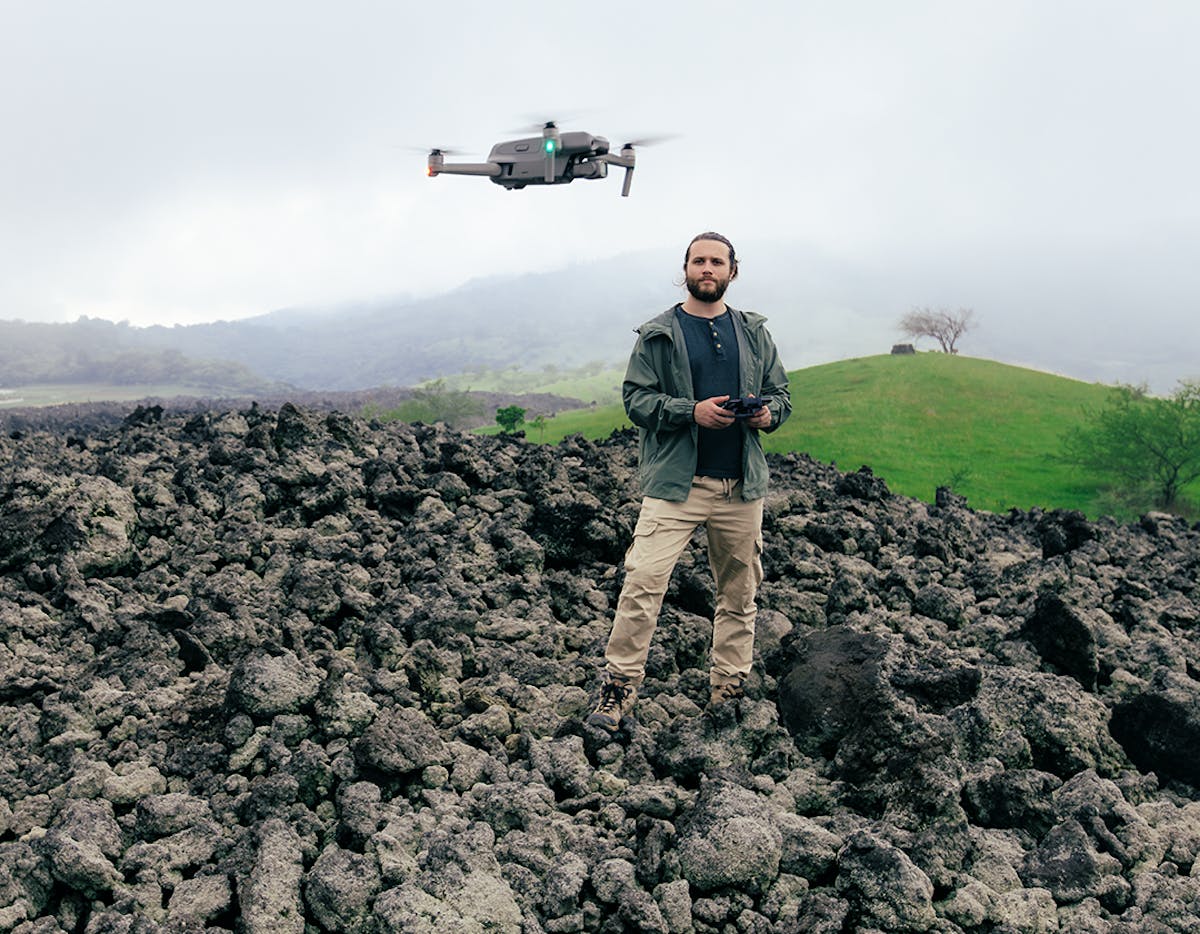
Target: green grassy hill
[(987, 430)]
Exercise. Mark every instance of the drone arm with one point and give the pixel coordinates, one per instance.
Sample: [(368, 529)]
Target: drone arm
[(626, 161), (490, 169)]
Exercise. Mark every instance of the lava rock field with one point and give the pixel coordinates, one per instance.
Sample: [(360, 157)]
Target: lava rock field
[(292, 671)]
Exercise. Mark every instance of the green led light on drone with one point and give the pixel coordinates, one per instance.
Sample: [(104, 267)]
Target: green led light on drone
[(550, 146)]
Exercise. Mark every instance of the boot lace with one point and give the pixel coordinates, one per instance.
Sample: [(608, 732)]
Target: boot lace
[(612, 696)]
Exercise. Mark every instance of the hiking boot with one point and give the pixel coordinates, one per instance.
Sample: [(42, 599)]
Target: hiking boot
[(723, 693), (617, 697)]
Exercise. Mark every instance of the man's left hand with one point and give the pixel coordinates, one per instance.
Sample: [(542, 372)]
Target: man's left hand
[(760, 419)]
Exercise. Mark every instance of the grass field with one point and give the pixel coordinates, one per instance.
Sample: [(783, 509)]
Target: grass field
[(989, 431), (588, 384)]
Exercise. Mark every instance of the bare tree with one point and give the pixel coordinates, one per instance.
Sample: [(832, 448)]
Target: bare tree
[(942, 324)]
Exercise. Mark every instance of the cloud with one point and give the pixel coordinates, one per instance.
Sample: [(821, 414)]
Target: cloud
[(187, 162)]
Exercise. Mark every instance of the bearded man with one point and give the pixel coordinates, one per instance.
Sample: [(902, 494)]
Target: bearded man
[(700, 463)]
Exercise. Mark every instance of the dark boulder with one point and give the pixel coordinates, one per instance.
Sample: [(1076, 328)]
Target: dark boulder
[(1159, 727), (1062, 531), (835, 687), (1065, 638)]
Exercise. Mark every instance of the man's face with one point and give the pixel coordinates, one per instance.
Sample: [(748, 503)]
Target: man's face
[(708, 272)]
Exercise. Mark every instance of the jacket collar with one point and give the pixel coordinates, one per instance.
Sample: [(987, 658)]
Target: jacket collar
[(663, 323)]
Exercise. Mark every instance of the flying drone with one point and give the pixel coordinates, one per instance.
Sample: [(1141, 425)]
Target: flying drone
[(553, 158)]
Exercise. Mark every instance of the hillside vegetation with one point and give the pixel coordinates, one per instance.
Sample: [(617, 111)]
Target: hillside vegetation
[(989, 431), (594, 383), (94, 359)]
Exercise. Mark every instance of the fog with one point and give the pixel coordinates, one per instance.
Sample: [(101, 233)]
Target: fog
[(177, 163)]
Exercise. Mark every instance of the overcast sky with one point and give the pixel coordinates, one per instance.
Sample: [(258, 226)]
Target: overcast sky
[(193, 160)]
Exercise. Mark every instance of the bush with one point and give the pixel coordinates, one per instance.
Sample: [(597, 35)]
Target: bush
[(1148, 446), (510, 417)]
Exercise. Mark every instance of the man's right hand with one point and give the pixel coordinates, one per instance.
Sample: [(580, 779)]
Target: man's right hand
[(709, 414)]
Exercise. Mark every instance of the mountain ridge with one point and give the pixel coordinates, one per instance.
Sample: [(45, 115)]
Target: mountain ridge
[(1067, 316)]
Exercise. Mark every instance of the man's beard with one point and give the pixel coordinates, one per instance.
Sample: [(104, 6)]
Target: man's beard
[(709, 296)]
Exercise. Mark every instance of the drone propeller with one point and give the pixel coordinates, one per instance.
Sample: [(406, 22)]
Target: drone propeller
[(435, 150), (535, 122), (648, 141), (535, 127), (628, 158)]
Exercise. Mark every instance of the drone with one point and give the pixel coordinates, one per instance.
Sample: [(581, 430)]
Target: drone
[(553, 158)]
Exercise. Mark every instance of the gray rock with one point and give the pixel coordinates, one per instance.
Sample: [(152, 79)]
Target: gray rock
[(563, 883), (883, 885), (1067, 864), (340, 888), (941, 603), (675, 904), (269, 897), (728, 841), (1018, 798), (809, 850), (399, 741), (162, 814), (509, 806), (133, 783), (170, 856), (563, 764), (81, 845), (1027, 719), (411, 909), (198, 900), (25, 882), (359, 808), (264, 685)]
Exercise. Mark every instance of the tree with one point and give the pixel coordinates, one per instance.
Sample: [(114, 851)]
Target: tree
[(1149, 445), (942, 324), (433, 402), (539, 425), (509, 417)]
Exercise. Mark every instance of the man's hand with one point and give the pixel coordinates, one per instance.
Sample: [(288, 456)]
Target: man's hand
[(709, 414), (760, 419)]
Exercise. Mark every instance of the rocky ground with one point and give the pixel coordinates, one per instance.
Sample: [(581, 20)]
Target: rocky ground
[(90, 417), (292, 672)]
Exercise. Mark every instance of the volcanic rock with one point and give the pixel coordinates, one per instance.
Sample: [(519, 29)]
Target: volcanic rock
[(272, 671)]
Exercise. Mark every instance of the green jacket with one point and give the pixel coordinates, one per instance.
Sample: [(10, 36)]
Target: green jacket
[(659, 399)]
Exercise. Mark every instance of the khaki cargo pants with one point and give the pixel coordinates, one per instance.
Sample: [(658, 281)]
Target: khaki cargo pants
[(663, 530)]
